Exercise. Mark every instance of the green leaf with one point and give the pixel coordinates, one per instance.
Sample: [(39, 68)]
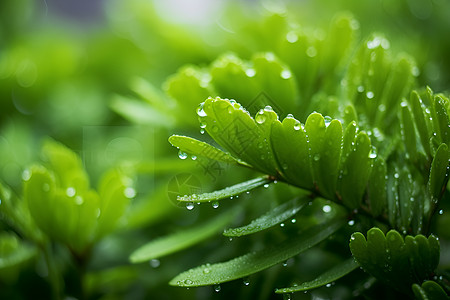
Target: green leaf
[(409, 132), (422, 125), (235, 130), (355, 170), (438, 172), (394, 261), (228, 191), (254, 262), (293, 159), (199, 148), (183, 239), (13, 253), (329, 276), (115, 195), (273, 217), (429, 290), (376, 188)]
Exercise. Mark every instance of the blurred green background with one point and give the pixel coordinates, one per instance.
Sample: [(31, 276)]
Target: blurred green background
[(96, 76)]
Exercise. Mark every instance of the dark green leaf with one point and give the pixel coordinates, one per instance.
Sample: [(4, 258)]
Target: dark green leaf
[(429, 290)]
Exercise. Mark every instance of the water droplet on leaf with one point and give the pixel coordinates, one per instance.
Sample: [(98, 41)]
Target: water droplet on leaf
[(182, 155), (190, 206)]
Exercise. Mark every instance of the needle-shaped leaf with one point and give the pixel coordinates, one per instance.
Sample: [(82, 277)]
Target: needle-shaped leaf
[(227, 192), (328, 277), (183, 239), (273, 217), (198, 148), (254, 262)]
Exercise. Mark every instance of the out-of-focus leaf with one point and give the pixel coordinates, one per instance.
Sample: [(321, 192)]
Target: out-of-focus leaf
[(254, 262), (13, 254), (183, 239), (377, 187), (438, 171)]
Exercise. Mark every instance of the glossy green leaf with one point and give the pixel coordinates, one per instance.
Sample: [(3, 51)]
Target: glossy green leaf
[(355, 171), (329, 276), (438, 172), (429, 290), (273, 217), (256, 261), (376, 188), (409, 132), (183, 239), (294, 160), (396, 262), (198, 148), (227, 192), (440, 118), (235, 130), (421, 121)]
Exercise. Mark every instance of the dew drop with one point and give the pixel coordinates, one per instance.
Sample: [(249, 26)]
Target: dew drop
[(129, 192), (250, 72), (260, 117), (351, 223), (190, 206), (326, 208), (311, 51), (79, 200), (202, 131), (369, 95), (286, 74), (293, 221), (372, 154), (266, 185), (70, 192), (396, 175), (154, 263), (297, 126), (360, 88), (441, 212), (194, 157), (200, 111), (328, 285), (246, 281), (206, 270), (26, 175), (291, 37), (316, 157), (282, 225), (215, 204), (217, 288), (182, 155)]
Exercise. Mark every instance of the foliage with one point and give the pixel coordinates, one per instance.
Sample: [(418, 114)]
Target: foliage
[(325, 177)]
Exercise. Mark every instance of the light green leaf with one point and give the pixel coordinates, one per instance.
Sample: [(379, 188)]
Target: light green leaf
[(254, 262), (228, 191), (183, 239), (293, 159), (409, 132), (199, 148), (329, 276), (273, 217)]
